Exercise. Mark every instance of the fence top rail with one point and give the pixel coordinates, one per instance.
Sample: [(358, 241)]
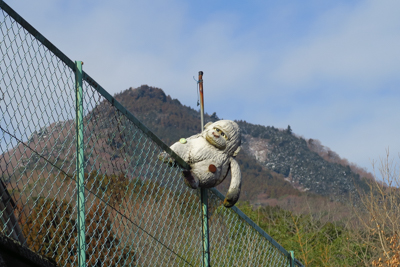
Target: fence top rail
[(131, 117)]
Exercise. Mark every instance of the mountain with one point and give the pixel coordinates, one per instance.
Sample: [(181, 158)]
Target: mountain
[(274, 162), (170, 121)]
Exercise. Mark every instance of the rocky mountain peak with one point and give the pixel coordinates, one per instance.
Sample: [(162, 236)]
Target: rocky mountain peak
[(145, 91)]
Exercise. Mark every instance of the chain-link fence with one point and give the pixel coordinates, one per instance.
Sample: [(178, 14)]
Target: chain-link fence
[(137, 210)]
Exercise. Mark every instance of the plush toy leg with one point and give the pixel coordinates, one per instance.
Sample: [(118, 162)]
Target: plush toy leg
[(190, 180)]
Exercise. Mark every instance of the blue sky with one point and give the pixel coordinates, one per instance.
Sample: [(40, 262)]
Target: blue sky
[(329, 69)]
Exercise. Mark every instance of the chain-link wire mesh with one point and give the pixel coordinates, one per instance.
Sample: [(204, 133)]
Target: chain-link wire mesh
[(235, 243), (37, 144), (138, 212)]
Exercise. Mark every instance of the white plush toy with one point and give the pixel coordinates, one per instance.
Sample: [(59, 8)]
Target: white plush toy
[(211, 155)]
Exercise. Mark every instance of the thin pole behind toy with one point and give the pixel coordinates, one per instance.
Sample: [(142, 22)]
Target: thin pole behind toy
[(203, 191), (201, 99)]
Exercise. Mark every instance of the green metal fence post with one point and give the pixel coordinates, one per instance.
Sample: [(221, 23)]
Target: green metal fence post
[(79, 165), (206, 243), (203, 191), (291, 258)]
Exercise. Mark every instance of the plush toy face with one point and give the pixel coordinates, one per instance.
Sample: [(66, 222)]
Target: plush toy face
[(224, 135), (217, 138)]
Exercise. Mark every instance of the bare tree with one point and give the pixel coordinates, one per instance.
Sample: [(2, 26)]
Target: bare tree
[(379, 215)]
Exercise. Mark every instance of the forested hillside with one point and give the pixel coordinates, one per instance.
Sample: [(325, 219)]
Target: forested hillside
[(291, 156)]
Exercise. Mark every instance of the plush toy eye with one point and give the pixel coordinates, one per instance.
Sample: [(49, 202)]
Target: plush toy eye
[(224, 135), (218, 130)]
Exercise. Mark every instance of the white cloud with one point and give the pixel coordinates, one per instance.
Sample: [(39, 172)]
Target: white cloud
[(359, 48)]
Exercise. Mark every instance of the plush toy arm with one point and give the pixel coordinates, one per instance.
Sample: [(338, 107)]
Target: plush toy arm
[(236, 183), (181, 150)]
